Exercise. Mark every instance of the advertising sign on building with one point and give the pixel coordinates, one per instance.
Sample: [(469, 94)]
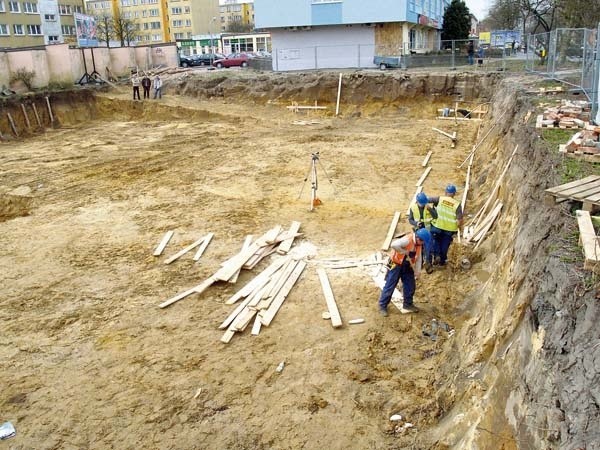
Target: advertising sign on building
[(86, 30)]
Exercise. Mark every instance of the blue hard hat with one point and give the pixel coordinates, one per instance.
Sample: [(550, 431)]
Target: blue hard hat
[(451, 189), (424, 235), (422, 199)]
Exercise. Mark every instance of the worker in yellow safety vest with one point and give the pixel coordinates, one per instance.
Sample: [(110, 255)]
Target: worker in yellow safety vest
[(420, 215), (446, 225)]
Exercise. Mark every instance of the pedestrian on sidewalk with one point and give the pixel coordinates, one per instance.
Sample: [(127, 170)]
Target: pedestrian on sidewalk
[(405, 265), (146, 83), (446, 225), (157, 87), (470, 52)]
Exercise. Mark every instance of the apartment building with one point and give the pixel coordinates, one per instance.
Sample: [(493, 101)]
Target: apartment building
[(347, 33), (236, 12), (43, 22)]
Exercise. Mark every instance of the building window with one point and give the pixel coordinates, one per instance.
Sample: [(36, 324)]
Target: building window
[(18, 30), (14, 7), (49, 17), (65, 30), (65, 10), (3, 30), (136, 14), (78, 9), (152, 2), (186, 9), (127, 15), (2, 9), (30, 8), (155, 25), (154, 13), (146, 26), (177, 23), (188, 22), (144, 13), (178, 35), (34, 29), (52, 39), (176, 10), (156, 37)]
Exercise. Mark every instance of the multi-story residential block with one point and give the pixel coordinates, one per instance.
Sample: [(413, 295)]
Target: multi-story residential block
[(31, 22), (236, 12), (347, 33)]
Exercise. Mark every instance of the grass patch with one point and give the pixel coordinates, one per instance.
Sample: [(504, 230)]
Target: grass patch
[(569, 169)]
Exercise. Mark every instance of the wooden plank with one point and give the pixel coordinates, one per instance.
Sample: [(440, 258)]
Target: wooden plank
[(572, 184), (185, 250), (337, 104), (286, 245), (295, 107), (336, 320), (245, 245), (580, 191), (489, 221), (271, 235), (588, 239), (414, 199), (268, 314), (426, 160), (195, 290), (391, 231), (593, 198), (226, 338), (423, 176), (460, 119), (235, 312), (163, 243), (477, 229), (203, 246), (448, 135), (263, 277), (256, 326)]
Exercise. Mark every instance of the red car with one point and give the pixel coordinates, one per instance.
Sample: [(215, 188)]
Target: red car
[(233, 60)]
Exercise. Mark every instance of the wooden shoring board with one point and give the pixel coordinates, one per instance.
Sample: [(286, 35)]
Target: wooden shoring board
[(463, 201), (496, 187), (481, 236), (588, 240), (295, 107), (475, 230), (268, 314), (258, 280), (245, 245), (391, 231), (203, 246), (426, 160), (163, 243), (460, 119), (195, 290), (336, 320), (448, 135), (476, 146), (414, 199), (423, 176), (286, 245), (185, 250)]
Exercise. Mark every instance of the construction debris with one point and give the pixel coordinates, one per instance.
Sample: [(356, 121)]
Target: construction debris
[(585, 190), (589, 241), (570, 114), (585, 142), (336, 320)]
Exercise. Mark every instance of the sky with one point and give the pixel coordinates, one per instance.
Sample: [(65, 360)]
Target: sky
[(479, 7)]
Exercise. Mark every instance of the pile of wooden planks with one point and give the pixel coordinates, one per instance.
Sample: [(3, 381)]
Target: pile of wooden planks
[(585, 190), (570, 114), (250, 254), (585, 142), (264, 296), (589, 241)]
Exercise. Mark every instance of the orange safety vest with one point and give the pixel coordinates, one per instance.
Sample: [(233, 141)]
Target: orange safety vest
[(398, 258)]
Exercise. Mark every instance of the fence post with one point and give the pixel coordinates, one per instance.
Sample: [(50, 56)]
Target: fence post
[(359, 56), (596, 79), (316, 58), (453, 52), (276, 60)]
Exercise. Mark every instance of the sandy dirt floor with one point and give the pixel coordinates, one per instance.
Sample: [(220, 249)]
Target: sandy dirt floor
[(90, 361)]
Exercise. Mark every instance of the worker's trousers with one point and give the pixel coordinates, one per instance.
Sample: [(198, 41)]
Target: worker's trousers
[(441, 243), (398, 272)]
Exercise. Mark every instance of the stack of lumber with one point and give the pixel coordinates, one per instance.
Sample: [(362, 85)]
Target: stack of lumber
[(345, 263), (263, 297), (570, 114), (585, 142), (249, 256), (589, 241)]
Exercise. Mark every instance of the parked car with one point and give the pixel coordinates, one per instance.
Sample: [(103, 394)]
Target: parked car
[(203, 59), (233, 60)]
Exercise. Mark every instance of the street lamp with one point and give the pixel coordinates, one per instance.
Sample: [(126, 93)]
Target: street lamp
[(212, 49)]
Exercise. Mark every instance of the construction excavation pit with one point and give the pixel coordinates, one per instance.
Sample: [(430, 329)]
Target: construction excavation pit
[(203, 271)]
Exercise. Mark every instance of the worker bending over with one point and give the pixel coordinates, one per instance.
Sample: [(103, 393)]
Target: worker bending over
[(446, 225), (420, 215), (405, 265)]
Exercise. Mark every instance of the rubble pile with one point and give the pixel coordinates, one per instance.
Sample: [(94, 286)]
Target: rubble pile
[(584, 142), (570, 114)]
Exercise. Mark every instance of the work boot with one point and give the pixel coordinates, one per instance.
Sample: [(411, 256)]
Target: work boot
[(428, 268), (383, 312), (409, 309)]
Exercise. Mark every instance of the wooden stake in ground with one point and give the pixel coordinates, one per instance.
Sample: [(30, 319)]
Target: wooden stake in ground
[(26, 117), (451, 136), (336, 320), (37, 116), (337, 105), (49, 110), (12, 124)]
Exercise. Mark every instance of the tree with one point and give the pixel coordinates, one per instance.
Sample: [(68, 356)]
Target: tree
[(504, 15), (238, 27), (125, 29), (104, 28), (457, 21), (580, 13)]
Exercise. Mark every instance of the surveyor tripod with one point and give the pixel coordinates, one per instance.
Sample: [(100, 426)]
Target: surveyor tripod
[(314, 182)]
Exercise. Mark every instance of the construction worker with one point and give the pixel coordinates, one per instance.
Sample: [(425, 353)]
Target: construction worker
[(446, 225), (420, 215), (405, 265)]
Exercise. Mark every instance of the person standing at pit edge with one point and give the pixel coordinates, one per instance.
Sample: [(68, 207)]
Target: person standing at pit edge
[(446, 225), (135, 82), (157, 87), (146, 83), (405, 265)]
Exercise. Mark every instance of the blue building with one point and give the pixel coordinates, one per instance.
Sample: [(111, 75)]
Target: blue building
[(308, 34)]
